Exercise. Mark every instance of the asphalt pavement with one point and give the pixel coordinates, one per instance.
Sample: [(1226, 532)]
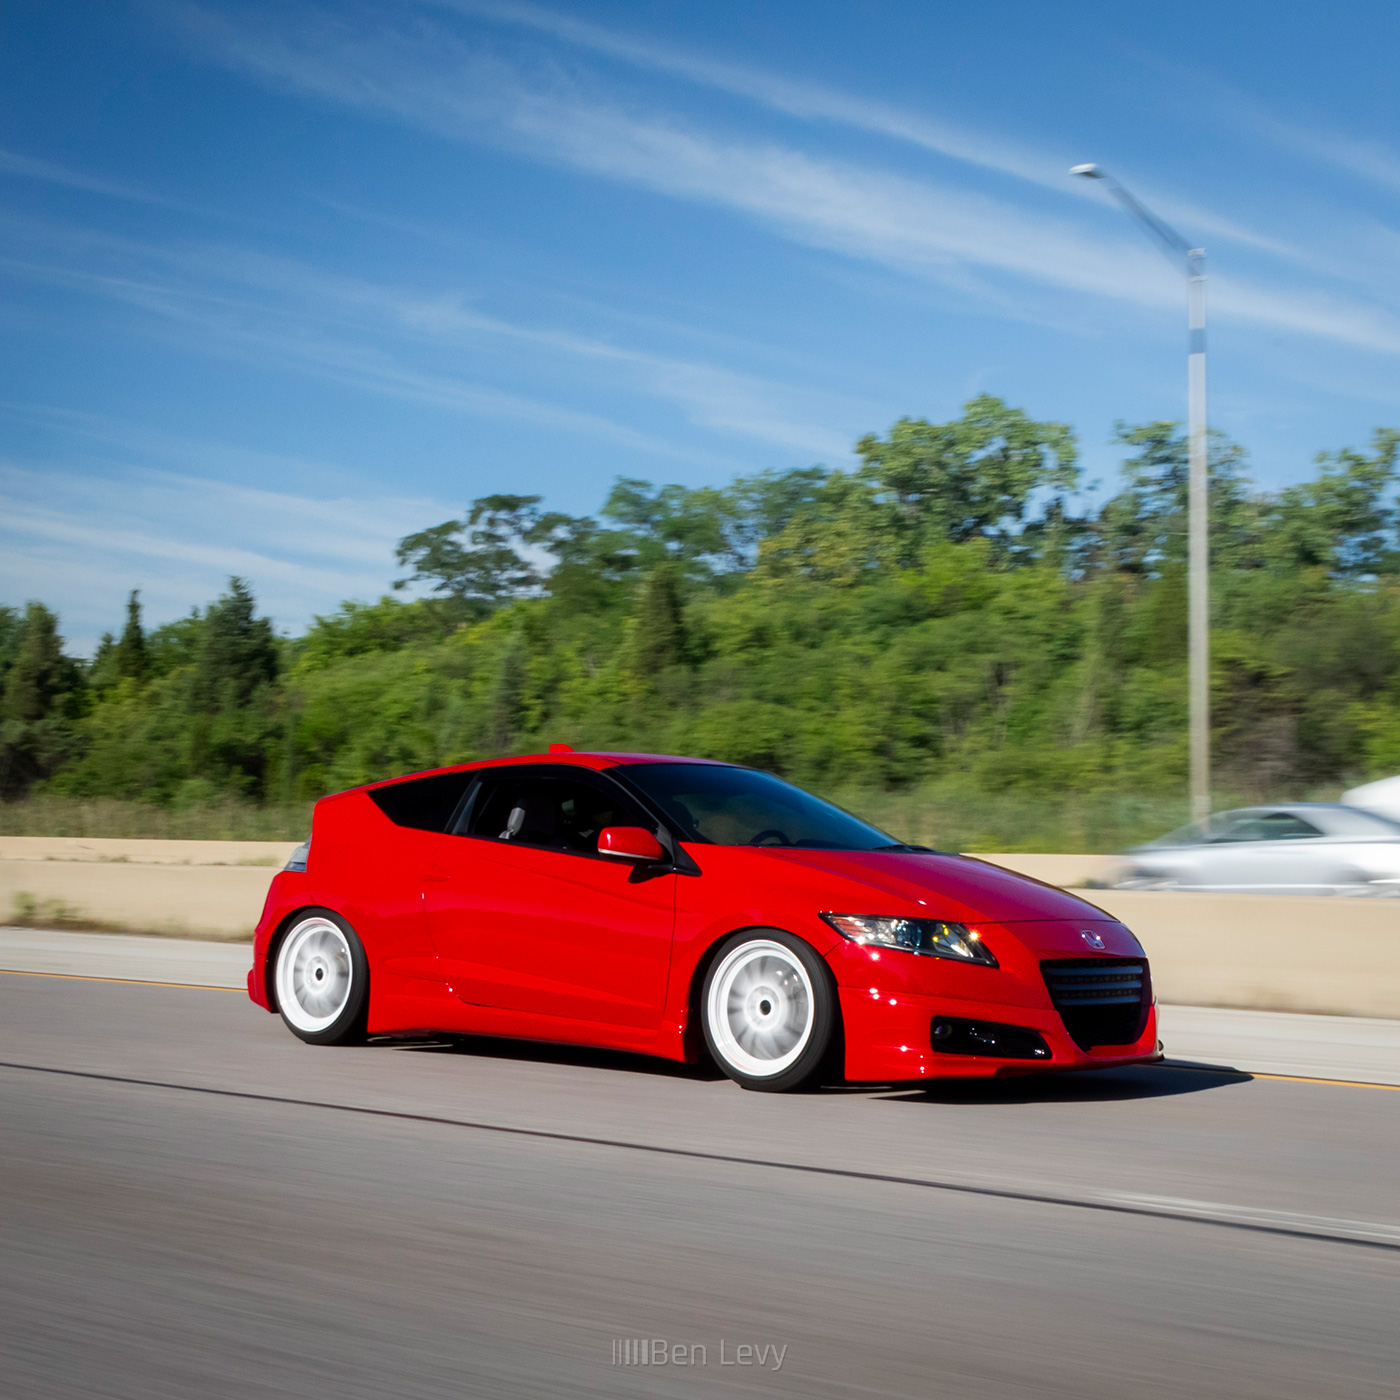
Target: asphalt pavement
[(197, 1205)]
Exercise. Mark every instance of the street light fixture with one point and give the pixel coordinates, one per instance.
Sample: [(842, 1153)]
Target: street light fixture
[(1193, 262)]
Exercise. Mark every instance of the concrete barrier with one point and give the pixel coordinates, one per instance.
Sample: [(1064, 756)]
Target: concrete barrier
[(1070, 871), (113, 851), (1263, 952), (1326, 955), (191, 889)]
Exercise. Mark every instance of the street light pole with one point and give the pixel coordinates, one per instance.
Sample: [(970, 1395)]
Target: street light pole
[(1193, 262), (1198, 547)]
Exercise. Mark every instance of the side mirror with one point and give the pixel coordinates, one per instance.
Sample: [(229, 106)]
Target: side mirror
[(629, 843)]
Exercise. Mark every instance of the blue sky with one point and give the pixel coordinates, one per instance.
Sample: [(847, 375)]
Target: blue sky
[(282, 282)]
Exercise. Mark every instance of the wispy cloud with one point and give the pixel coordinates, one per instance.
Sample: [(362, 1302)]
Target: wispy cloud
[(1037, 164), (806, 100), (915, 226), (435, 82), (82, 536), (1372, 161), (412, 345), (380, 219), (27, 167)]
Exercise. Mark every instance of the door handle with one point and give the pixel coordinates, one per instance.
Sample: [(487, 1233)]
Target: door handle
[(434, 876)]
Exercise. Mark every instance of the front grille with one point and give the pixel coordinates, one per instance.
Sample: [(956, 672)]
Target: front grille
[(1102, 1001)]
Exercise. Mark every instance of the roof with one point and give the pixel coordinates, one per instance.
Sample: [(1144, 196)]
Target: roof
[(596, 759)]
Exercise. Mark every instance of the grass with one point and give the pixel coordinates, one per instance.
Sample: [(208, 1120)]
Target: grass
[(30, 912), (952, 817), (48, 815), (949, 817), (957, 820)]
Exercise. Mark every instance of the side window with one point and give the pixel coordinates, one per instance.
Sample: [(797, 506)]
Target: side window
[(1262, 826), (425, 804), (1284, 826), (557, 813)]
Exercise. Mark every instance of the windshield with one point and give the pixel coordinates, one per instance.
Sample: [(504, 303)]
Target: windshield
[(739, 807)]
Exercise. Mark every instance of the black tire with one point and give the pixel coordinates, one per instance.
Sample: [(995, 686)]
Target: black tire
[(769, 1012), (320, 979)]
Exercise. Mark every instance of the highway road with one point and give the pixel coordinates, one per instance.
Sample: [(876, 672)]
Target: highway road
[(197, 1205)]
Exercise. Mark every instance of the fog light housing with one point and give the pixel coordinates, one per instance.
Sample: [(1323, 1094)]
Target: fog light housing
[(952, 1035)]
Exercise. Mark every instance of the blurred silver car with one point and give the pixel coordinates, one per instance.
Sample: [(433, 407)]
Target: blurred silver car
[(1288, 848)]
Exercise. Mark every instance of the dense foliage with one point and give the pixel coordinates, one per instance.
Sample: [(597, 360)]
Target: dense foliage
[(938, 613)]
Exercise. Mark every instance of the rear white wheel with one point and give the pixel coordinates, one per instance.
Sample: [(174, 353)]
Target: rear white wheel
[(321, 978), (768, 1010)]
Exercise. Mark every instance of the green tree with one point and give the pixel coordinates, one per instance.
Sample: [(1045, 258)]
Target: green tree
[(130, 659), (936, 616), (102, 669), (237, 654), (11, 628), (1341, 521), (670, 522), (1143, 527), (40, 671), (659, 640), (363, 629), (175, 646), (475, 561), (36, 733), (232, 723), (842, 533), (507, 698), (972, 477)]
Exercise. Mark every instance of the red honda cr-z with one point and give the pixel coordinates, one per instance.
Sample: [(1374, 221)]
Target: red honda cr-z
[(681, 908)]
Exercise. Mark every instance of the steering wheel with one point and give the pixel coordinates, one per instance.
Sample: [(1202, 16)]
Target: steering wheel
[(767, 832)]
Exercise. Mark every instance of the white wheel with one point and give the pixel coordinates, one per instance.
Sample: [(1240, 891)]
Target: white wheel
[(315, 976), (760, 1009)]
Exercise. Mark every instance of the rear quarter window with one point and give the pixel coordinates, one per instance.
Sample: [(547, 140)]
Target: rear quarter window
[(425, 804)]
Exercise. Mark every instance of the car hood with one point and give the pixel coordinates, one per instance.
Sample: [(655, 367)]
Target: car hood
[(958, 888)]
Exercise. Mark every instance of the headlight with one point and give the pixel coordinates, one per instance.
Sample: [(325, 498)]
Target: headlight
[(935, 938)]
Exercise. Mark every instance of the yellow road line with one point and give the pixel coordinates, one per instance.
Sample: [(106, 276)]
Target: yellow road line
[(127, 981), (1303, 1079), (1288, 1078)]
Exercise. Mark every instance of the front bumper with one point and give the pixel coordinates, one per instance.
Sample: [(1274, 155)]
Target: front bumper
[(889, 1001), (889, 1037)]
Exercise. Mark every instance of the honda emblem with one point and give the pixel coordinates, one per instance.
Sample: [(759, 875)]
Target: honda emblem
[(1094, 940)]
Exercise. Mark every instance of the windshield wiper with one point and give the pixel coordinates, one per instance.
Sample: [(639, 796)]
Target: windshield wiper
[(903, 846)]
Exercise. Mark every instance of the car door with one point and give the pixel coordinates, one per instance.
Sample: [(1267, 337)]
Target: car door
[(1272, 850), (527, 916)]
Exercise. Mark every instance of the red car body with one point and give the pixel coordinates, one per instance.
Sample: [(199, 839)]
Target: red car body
[(479, 937)]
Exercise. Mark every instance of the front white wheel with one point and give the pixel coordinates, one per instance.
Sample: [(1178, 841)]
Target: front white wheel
[(321, 978), (769, 1010)]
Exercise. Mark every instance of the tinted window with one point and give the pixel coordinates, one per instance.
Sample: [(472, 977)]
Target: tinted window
[(1261, 826), (562, 813), (426, 804), (739, 807)]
